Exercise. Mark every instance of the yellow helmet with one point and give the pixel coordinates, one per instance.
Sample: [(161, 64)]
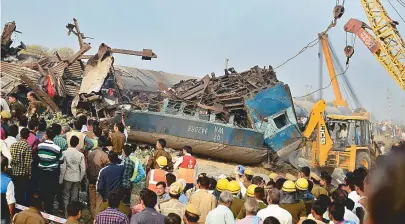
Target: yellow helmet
[(251, 190), (288, 186), (6, 114), (233, 187), (161, 161), (301, 184), (222, 184), (249, 172), (273, 176)]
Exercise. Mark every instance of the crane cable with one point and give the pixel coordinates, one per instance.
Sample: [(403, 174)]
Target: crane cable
[(403, 4), (338, 11)]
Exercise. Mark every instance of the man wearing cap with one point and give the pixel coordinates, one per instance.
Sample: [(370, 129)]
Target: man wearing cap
[(160, 151), (202, 199), (317, 189), (17, 109), (157, 175), (237, 203), (255, 192), (173, 205), (290, 203), (303, 193), (192, 214)]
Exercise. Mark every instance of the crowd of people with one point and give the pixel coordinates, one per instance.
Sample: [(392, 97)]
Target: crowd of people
[(43, 166)]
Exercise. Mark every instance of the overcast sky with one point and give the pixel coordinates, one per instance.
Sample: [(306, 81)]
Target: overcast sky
[(194, 38)]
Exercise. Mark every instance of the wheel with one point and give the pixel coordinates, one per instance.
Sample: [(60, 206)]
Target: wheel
[(363, 160)]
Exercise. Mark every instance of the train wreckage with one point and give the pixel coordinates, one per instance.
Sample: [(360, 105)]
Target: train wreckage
[(243, 117)]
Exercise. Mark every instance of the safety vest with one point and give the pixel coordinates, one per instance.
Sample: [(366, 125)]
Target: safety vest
[(186, 169), (5, 180), (133, 158), (155, 176), (78, 134)]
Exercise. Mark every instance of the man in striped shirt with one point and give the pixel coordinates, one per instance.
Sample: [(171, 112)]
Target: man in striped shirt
[(49, 159)]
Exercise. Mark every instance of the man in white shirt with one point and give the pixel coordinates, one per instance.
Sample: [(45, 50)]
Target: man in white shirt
[(72, 172), (6, 144), (273, 209), (222, 214)]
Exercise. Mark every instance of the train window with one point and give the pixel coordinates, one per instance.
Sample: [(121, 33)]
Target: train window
[(280, 121)]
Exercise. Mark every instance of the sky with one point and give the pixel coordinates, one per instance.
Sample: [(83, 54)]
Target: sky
[(194, 38)]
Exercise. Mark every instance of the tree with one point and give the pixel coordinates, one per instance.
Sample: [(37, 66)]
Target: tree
[(34, 49), (64, 52)]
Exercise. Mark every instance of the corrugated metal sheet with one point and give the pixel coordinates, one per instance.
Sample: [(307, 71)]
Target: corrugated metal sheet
[(147, 80), (10, 75)]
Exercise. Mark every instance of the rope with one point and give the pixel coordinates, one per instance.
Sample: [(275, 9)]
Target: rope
[(330, 83)]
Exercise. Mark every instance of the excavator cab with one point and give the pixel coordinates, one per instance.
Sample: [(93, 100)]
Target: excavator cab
[(351, 142)]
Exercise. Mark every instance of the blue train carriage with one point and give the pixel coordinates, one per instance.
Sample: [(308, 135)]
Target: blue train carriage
[(223, 140), (272, 113)]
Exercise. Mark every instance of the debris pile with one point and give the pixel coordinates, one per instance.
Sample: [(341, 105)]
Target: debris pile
[(224, 95)]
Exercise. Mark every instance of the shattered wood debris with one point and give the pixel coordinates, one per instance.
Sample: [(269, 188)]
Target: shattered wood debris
[(224, 95)]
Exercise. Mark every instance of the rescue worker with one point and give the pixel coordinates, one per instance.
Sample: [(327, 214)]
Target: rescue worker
[(157, 175), (256, 192), (202, 199), (194, 189), (160, 151), (222, 185), (187, 167), (192, 214), (237, 203), (317, 189), (173, 205), (36, 107), (273, 176), (303, 194), (5, 117), (16, 108), (290, 203), (137, 176)]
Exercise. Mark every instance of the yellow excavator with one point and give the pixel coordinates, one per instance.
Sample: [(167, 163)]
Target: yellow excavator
[(338, 141)]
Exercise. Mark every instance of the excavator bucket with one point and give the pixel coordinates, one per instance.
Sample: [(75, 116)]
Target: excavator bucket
[(297, 160)]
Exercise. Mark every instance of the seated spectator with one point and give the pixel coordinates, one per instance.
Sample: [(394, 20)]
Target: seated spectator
[(74, 212)]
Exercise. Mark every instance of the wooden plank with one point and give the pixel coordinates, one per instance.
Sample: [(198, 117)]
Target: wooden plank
[(42, 96)]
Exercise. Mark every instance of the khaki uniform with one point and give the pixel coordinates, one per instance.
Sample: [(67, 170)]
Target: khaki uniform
[(118, 141), (17, 109), (297, 210), (172, 206), (242, 212), (330, 189), (318, 190), (152, 164), (30, 215), (205, 202), (36, 107), (236, 206)]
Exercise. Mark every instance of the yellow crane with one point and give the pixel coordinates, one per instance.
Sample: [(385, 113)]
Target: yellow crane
[(386, 44)]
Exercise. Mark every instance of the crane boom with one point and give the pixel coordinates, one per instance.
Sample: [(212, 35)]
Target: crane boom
[(387, 44), (339, 101)]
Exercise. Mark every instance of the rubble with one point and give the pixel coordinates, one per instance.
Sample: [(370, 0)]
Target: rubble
[(224, 95)]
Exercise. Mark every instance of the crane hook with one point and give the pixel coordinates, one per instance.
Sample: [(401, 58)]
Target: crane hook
[(338, 11), (349, 51)]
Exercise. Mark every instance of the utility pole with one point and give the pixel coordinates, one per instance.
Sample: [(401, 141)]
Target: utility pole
[(389, 107)]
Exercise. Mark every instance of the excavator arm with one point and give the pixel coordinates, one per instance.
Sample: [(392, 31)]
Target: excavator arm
[(386, 44), (323, 143)]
